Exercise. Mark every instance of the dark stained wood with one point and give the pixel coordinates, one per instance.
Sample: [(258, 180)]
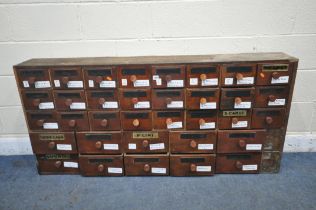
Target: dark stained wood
[(202, 98), (104, 121), (103, 100), (73, 121), (37, 100), (129, 76), (269, 97), (100, 77), (67, 78), (241, 74), (270, 162), (57, 164), (268, 118), (42, 121), (237, 98), (168, 76), (168, 99), (28, 78), (136, 120), (201, 120), (70, 100), (234, 121), (274, 73), (135, 99), (168, 120), (203, 75)]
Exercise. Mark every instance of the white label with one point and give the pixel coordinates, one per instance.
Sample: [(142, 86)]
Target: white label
[(175, 83), (277, 102), (240, 124), (110, 146), (175, 125), (64, 147), (141, 83), (280, 80), (175, 104), (205, 146), (91, 83), (250, 167), (50, 125), (78, 105), (210, 82), (57, 83), (75, 84), (243, 105), (70, 165), (194, 81), (124, 82), (229, 81), (110, 105), (253, 146), (245, 80), (209, 125), (158, 170), (131, 146), (108, 84), (208, 105), (203, 168), (142, 105), (157, 146), (155, 77), (26, 84), (158, 81), (46, 105), (42, 84), (115, 170)]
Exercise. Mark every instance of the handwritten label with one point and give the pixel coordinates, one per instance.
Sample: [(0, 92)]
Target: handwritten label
[(210, 82), (194, 81), (110, 146), (26, 84), (108, 84), (42, 84), (174, 125), (208, 125), (53, 125), (75, 84), (253, 146), (131, 146), (91, 83), (114, 170), (110, 105), (142, 105), (66, 147), (46, 105), (175, 83), (229, 81), (70, 164), (175, 104), (205, 146), (240, 124), (57, 83), (155, 170), (78, 105), (250, 167), (124, 82), (243, 105), (141, 83), (203, 168), (245, 81), (157, 146), (277, 102), (280, 80), (208, 105)]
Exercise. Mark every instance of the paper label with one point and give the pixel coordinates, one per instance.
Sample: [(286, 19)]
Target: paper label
[(110, 105), (70, 164), (50, 125), (280, 80), (175, 104), (253, 146), (108, 84), (42, 84), (57, 83), (175, 83), (67, 147), (26, 84), (46, 105), (205, 146), (210, 82), (245, 81), (158, 81), (142, 105), (75, 84), (91, 83), (158, 170), (194, 81), (203, 168), (155, 77), (208, 105), (250, 167), (208, 125), (240, 124), (157, 146), (175, 125), (131, 146), (243, 105), (229, 81), (141, 83), (115, 170), (78, 105), (277, 102), (124, 82), (110, 146)]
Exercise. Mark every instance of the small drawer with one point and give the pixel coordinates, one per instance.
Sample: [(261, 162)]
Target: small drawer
[(274, 74), (99, 142), (192, 141), (67, 78), (238, 163), (73, 121), (146, 142), (101, 165), (100, 77), (70, 100), (135, 99), (268, 118), (244, 141), (104, 121), (146, 165), (43, 121), (201, 120), (37, 100), (192, 165), (168, 120), (202, 76), (134, 76), (233, 75), (168, 76), (237, 98), (234, 119), (30, 78), (57, 164), (168, 99), (276, 96), (207, 98), (270, 162), (102, 100), (53, 143), (136, 120)]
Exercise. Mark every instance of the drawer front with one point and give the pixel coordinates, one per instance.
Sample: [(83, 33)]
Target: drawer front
[(201, 120), (70, 100), (270, 162), (73, 121), (237, 98), (274, 140), (170, 120), (101, 165), (135, 99), (33, 78), (168, 99), (192, 165), (37, 100), (102, 100), (238, 163), (146, 142), (168, 76), (136, 120), (53, 143), (104, 121), (146, 165), (100, 77), (43, 121), (134, 76), (274, 74), (234, 119), (99, 142), (57, 164), (268, 118), (203, 76), (238, 75), (67, 78), (192, 141), (202, 98), (244, 141), (271, 96)]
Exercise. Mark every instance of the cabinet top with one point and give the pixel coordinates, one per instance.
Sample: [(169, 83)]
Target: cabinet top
[(179, 59)]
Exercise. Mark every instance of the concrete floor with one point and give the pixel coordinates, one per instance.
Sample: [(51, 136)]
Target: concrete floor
[(293, 188)]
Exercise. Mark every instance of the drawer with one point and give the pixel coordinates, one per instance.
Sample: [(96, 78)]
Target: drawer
[(101, 165), (146, 142), (238, 163), (70, 100), (237, 98), (192, 165), (274, 140), (135, 99), (201, 120), (42, 121), (168, 76), (270, 162), (168, 99), (146, 165), (33, 78), (202, 75), (67, 78), (274, 74), (136, 120), (268, 118), (234, 119), (100, 77), (168, 120), (99, 142), (53, 143), (102, 100), (244, 141), (207, 98), (238, 74), (134, 76), (104, 121), (37, 100), (275, 96), (192, 141), (73, 121), (57, 164)]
